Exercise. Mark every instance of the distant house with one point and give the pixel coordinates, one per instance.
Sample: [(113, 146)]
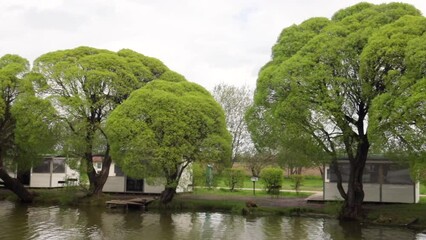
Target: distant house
[(383, 181), (118, 182), (50, 173)]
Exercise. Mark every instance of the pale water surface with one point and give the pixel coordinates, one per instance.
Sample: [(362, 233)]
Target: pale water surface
[(22, 222)]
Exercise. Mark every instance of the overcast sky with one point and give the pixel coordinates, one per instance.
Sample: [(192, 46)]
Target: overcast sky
[(209, 42)]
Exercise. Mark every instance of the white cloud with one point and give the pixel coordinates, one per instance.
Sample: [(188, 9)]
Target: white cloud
[(207, 41)]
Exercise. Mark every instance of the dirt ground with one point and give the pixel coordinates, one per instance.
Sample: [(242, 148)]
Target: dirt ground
[(262, 201)]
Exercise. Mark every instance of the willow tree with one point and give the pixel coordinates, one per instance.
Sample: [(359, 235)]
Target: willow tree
[(85, 84), (26, 128), (323, 78), (163, 128), (400, 120)]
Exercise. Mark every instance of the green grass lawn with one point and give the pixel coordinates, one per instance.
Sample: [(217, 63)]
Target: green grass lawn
[(310, 183), (422, 189), (227, 192)]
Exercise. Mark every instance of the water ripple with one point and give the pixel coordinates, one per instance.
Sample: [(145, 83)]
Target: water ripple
[(19, 221)]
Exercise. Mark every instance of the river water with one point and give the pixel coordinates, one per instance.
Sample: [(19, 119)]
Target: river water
[(19, 221)]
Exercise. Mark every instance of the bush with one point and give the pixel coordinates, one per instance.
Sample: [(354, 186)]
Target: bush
[(272, 179), (234, 178), (297, 181), (200, 176)]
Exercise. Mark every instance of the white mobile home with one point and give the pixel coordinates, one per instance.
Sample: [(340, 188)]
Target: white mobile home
[(51, 172), (118, 182), (383, 181)]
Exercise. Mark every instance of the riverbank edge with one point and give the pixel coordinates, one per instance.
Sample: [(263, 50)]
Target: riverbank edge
[(374, 216), (414, 215)]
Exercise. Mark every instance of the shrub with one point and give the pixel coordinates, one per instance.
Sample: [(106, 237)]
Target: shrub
[(297, 181), (201, 177), (198, 175), (272, 179), (234, 178)]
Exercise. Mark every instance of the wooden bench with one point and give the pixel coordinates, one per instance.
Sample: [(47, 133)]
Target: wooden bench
[(68, 182)]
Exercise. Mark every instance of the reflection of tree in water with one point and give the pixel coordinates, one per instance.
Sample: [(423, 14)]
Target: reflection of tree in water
[(273, 226), (351, 229), (167, 225), (16, 221), (342, 230), (227, 225), (300, 227), (133, 220), (91, 221)]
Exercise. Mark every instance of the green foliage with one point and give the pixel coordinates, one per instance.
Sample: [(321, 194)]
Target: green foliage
[(85, 85), (198, 174), (256, 161), (272, 179), (322, 89), (344, 86), (333, 208), (26, 121), (297, 181), (397, 118), (164, 126), (234, 178)]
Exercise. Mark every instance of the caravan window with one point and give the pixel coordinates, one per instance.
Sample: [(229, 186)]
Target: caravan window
[(58, 165), (118, 171), (344, 171), (370, 174), (43, 167), (396, 174)]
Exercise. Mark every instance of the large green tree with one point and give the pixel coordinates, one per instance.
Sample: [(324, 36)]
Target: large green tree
[(163, 128), (85, 84), (400, 121), (26, 127), (323, 78)]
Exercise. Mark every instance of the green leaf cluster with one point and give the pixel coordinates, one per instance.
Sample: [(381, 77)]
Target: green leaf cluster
[(85, 84), (329, 80), (164, 126), (26, 120), (272, 178), (234, 178)]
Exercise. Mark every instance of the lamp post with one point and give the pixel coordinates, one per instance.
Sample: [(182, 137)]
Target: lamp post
[(254, 179)]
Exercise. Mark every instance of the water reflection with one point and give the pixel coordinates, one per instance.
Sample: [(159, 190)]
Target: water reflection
[(21, 222)]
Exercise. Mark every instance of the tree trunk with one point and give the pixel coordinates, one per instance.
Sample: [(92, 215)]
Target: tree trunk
[(172, 182), (167, 195), (97, 180), (321, 172), (16, 187), (352, 208)]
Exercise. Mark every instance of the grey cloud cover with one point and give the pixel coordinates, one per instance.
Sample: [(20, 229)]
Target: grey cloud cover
[(209, 42)]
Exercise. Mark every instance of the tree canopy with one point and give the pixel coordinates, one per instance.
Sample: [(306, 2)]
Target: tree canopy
[(85, 84), (400, 51), (325, 77), (26, 126), (165, 126)]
